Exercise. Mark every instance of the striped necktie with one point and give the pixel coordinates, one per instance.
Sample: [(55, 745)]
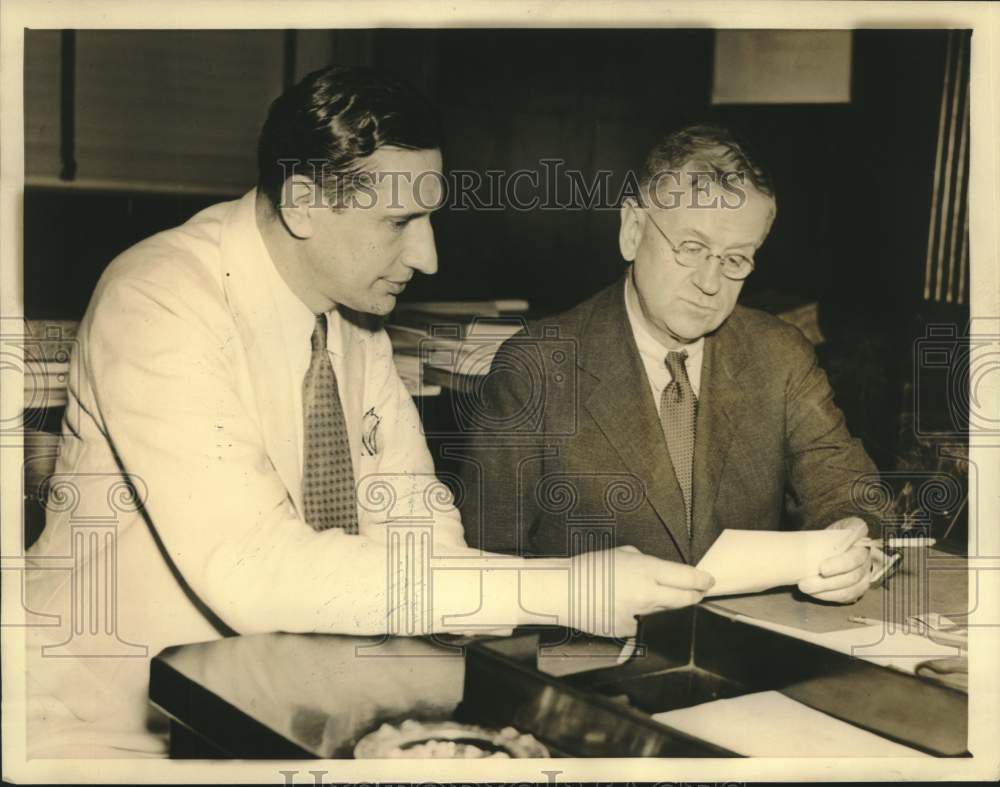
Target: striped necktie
[(678, 408), (328, 493)]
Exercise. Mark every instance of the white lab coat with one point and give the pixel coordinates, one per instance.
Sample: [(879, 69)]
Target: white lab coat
[(180, 384)]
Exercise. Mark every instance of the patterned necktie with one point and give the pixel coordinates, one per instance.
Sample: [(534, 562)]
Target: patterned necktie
[(328, 494), (678, 408)]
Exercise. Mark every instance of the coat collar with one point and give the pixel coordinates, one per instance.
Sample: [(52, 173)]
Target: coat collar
[(619, 401), (723, 404), (245, 280)]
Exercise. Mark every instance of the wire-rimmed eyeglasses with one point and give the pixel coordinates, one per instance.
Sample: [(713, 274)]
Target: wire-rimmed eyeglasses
[(692, 253)]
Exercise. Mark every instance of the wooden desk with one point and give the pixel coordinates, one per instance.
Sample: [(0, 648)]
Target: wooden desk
[(298, 696)]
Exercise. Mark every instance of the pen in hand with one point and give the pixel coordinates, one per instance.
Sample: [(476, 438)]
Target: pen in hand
[(895, 543)]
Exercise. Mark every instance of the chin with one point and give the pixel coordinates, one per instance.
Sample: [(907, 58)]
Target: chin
[(383, 306), (689, 333)]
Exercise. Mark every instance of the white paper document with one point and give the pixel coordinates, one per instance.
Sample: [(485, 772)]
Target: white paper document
[(769, 724), (750, 561)]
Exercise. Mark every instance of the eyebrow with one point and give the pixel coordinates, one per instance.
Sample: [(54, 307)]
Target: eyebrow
[(706, 240), (413, 214), (700, 235)]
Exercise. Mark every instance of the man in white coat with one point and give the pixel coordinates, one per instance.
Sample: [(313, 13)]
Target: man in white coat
[(196, 434)]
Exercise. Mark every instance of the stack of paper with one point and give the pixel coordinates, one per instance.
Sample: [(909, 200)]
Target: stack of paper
[(453, 340), (749, 561), (769, 724), (410, 371)]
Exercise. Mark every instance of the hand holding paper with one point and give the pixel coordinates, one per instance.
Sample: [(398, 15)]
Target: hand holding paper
[(843, 578), (645, 584), (822, 562)]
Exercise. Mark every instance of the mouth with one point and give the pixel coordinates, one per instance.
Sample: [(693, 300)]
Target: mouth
[(699, 306), (395, 287)]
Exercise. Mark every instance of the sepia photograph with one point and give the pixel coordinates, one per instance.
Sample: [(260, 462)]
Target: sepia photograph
[(611, 394)]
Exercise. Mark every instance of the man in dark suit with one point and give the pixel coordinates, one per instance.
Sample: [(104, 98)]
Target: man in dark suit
[(658, 412)]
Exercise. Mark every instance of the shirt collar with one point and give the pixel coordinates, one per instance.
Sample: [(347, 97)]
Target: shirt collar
[(296, 320)]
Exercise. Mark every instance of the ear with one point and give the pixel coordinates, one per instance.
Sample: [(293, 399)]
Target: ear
[(633, 221), (299, 195)]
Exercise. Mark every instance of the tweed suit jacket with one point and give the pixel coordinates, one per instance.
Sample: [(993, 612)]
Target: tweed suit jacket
[(566, 452)]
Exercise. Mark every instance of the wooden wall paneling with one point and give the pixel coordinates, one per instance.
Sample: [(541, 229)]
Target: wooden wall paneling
[(42, 63), (178, 108), (289, 51), (595, 99), (946, 236), (313, 49), (67, 105), (348, 47)]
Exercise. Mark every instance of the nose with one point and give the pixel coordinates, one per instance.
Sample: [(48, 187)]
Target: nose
[(421, 253), (707, 276)]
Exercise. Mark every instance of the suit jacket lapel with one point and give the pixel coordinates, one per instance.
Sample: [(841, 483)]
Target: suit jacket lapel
[(253, 308), (721, 406), (622, 406)]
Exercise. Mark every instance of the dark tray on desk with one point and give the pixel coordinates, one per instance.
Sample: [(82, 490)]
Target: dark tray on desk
[(692, 656)]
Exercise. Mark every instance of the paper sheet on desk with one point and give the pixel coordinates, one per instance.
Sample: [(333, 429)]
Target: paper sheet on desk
[(769, 724), (749, 561)]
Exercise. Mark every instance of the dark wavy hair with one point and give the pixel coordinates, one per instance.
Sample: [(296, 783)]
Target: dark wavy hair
[(715, 148), (332, 120)]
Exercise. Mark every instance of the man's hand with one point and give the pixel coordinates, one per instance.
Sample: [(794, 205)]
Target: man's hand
[(645, 584), (843, 578)]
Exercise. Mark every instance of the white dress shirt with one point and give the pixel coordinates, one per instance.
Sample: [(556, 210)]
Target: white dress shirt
[(654, 354), (297, 326)]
